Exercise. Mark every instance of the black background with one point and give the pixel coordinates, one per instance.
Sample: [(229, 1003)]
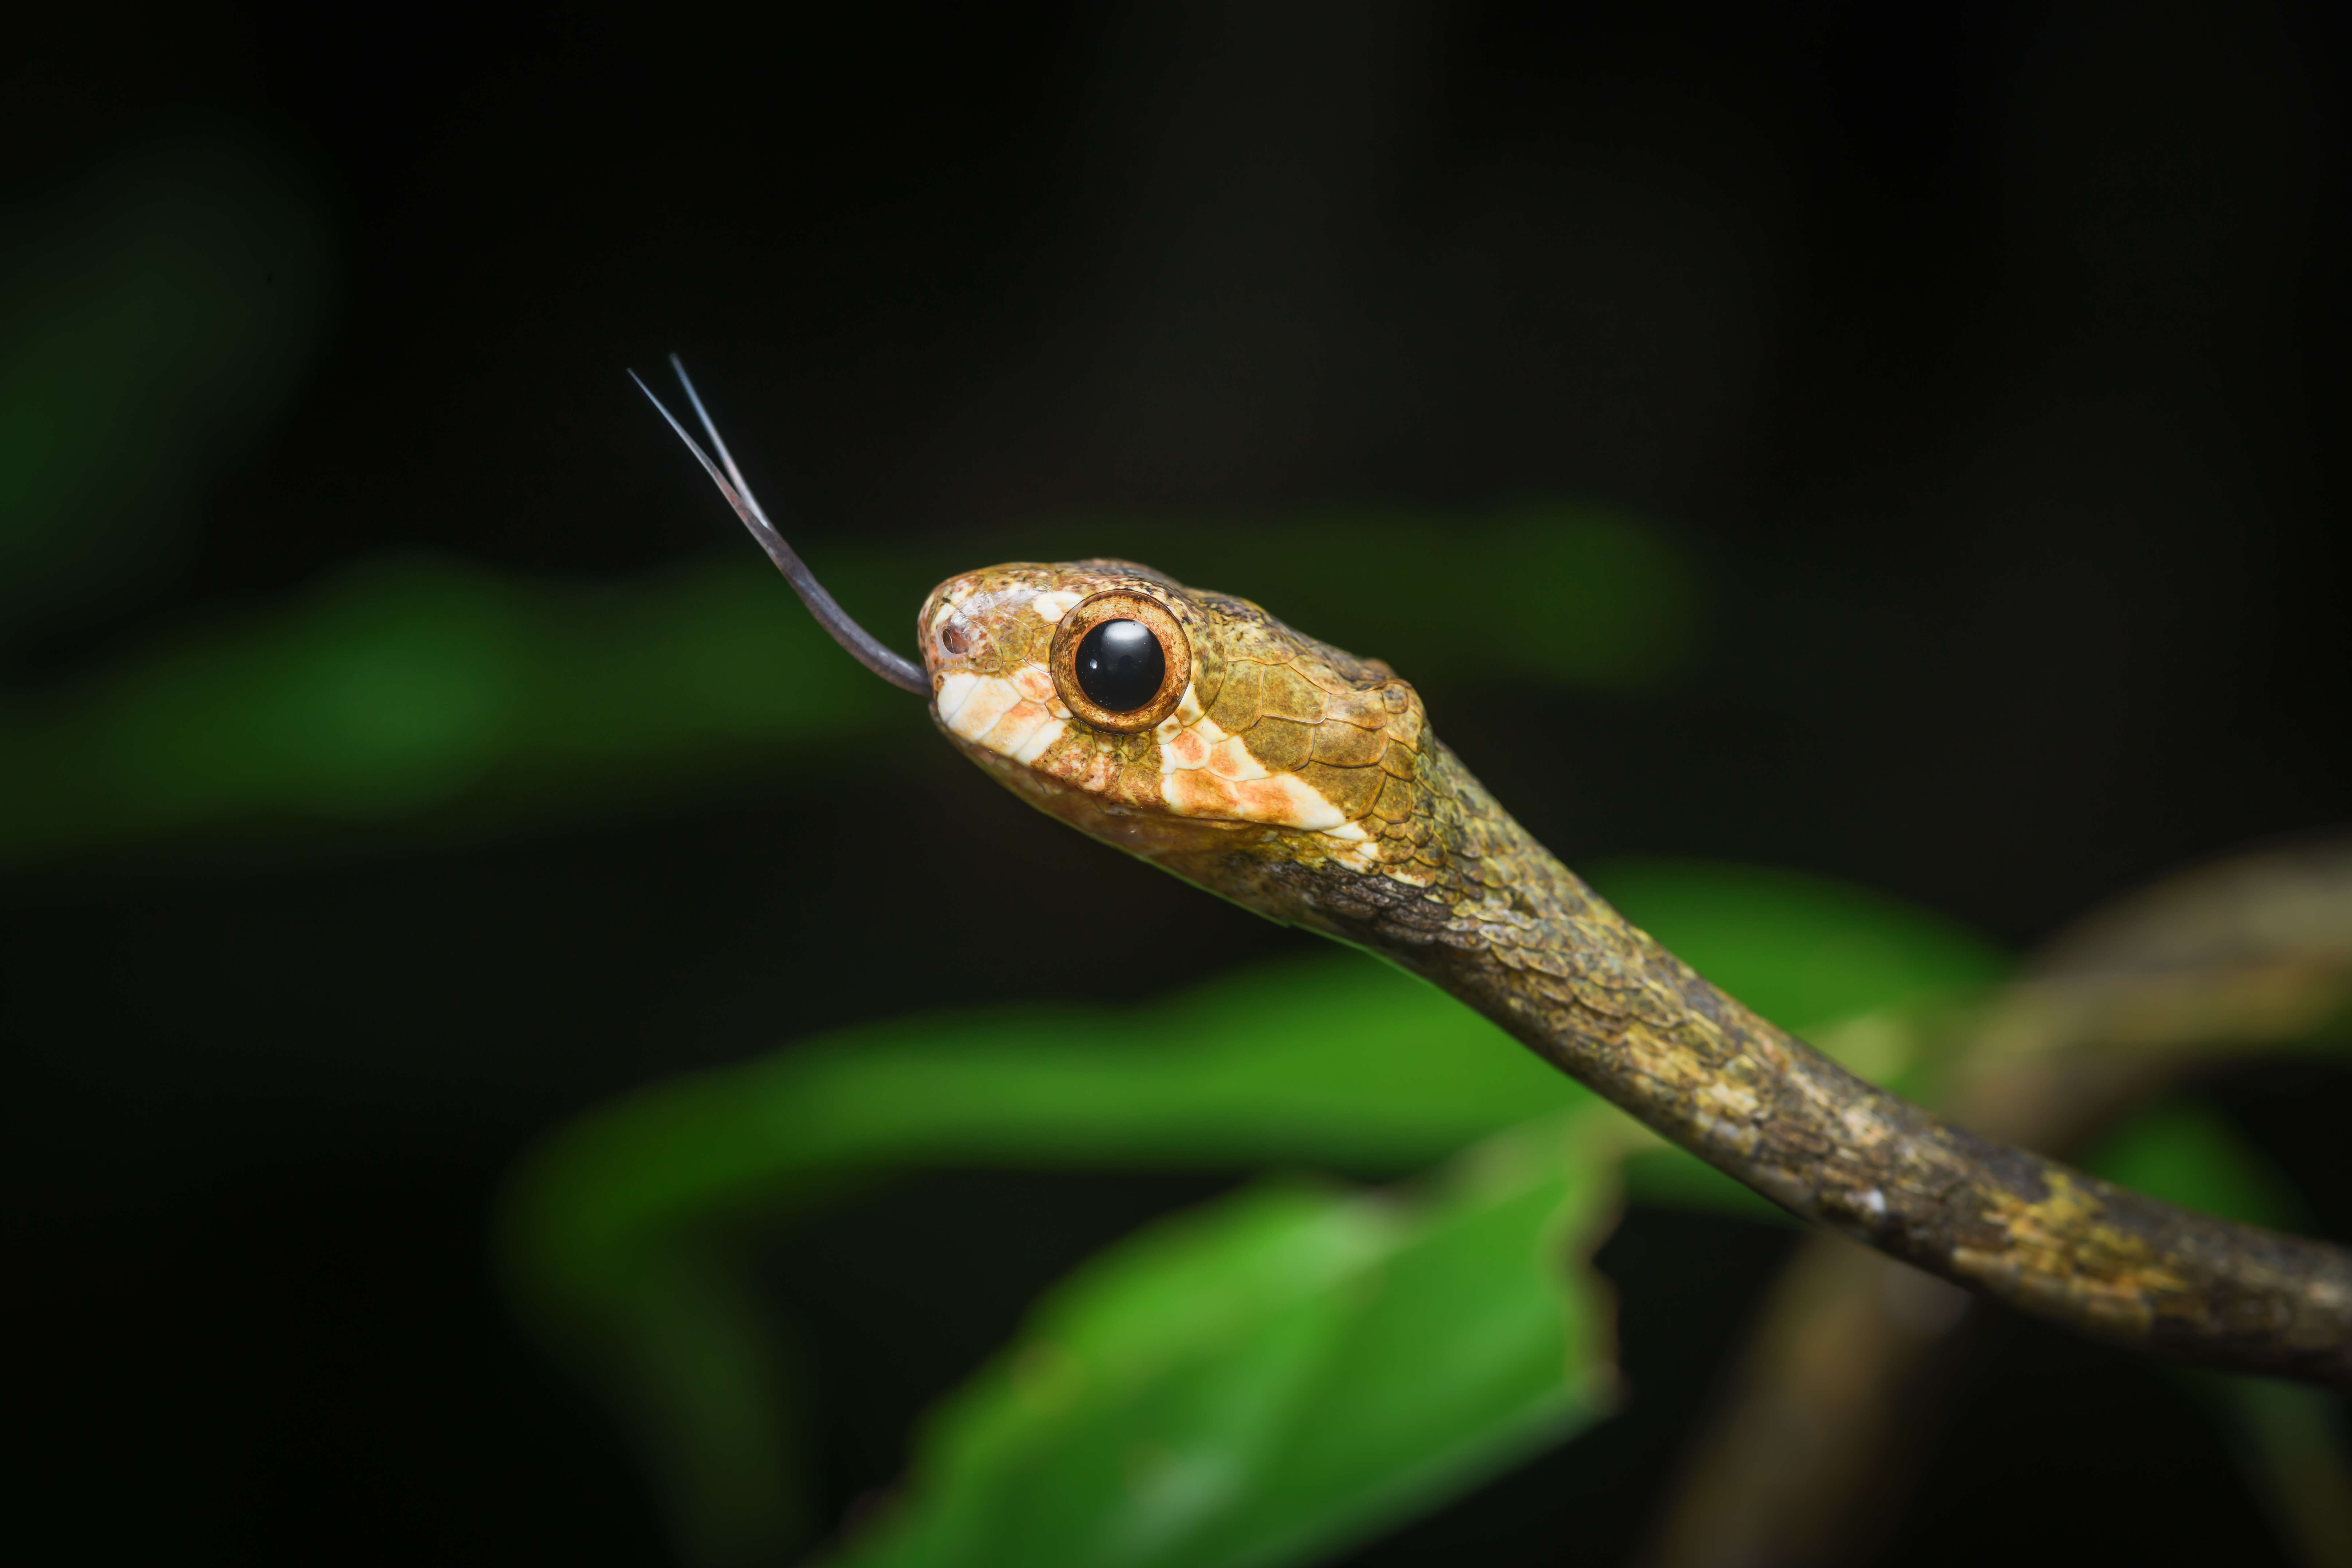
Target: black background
[(1991, 360)]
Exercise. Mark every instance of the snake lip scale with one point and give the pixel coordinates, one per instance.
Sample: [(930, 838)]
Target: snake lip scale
[(1196, 732)]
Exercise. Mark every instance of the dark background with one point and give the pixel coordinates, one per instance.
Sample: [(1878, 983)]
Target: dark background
[(1990, 361)]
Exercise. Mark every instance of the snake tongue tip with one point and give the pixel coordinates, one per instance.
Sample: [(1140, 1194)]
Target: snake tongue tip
[(861, 644)]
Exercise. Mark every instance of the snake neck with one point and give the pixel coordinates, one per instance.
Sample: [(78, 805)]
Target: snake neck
[(1482, 909), (1306, 784)]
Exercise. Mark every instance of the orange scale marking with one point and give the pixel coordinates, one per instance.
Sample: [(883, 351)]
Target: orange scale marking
[(1186, 748), (1286, 802), (987, 705), (1017, 726), (1196, 793), (1230, 758)]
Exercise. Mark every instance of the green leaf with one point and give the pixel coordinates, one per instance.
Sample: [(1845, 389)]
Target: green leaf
[(1335, 1060), (2185, 1153), (613, 1233), (1280, 1373)]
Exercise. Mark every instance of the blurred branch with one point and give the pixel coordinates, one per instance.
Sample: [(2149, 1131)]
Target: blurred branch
[(1832, 1403)]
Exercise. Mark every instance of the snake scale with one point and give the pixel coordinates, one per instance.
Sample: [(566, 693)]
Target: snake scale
[(1197, 732)]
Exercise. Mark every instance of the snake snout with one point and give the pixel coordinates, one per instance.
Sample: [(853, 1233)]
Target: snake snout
[(951, 639)]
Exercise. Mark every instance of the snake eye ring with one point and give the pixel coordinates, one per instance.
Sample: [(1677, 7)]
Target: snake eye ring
[(1121, 661)]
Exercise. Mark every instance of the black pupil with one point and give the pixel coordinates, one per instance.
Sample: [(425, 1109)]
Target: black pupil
[(1120, 665)]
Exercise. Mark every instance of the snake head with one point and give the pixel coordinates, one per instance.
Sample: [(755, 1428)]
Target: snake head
[(1190, 728), (1174, 723)]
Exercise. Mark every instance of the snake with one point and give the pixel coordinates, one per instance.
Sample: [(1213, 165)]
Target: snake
[(1197, 732)]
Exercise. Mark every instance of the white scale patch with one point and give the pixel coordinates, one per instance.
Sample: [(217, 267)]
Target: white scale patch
[(1204, 771), (1042, 736), (954, 692), (990, 710)]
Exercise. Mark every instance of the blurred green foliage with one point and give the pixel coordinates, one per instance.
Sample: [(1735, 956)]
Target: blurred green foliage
[(403, 686), (2183, 1152), (1592, 598), (1269, 1378), (1259, 1381), (624, 1234), (1808, 951), (1186, 1398)]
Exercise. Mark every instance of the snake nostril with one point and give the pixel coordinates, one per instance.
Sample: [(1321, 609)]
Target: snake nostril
[(953, 640)]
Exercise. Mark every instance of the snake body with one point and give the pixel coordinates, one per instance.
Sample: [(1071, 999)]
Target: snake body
[(1197, 731), (1305, 784)]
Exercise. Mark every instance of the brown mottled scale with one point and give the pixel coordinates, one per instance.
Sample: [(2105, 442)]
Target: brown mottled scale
[(1366, 828)]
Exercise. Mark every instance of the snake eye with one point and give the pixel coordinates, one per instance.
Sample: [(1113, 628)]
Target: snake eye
[(1120, 666), (1120, 660)]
